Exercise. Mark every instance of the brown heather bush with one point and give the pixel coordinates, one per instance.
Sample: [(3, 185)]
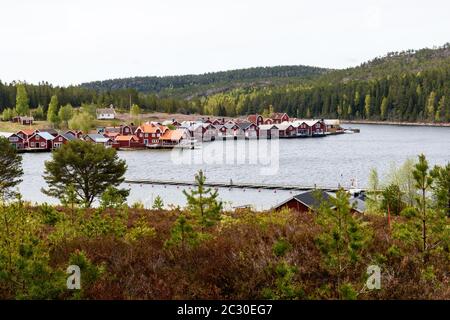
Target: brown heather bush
[(238, 261)]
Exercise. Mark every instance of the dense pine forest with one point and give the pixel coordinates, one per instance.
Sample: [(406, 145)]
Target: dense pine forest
[(401, 86)]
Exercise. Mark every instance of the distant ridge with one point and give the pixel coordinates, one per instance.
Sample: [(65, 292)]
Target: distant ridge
[(195, 82)]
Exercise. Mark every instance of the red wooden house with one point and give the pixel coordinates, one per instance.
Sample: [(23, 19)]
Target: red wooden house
[(130, 141), (75, 133), (61, 139), (305, 202), (256, 119), (318, 127), (149, 133), (278, 117), (286, 130), (42, 141), (17, 142)]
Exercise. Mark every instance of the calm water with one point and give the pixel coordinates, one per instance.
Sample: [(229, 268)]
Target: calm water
[(323, 161)]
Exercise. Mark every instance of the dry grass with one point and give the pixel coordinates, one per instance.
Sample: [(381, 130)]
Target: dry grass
[(238, 263)]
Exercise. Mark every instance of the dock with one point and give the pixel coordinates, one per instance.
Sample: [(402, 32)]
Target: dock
[(240, 185)]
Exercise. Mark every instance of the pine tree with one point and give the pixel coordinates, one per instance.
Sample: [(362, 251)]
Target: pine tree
[(10, 168), (22, 101), (441, 187), (343, 236), (158, 204), (423, 182), (203, 203)]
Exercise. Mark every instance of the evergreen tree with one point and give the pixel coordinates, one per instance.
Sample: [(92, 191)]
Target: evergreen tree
[(441, 187), (158, 204), (343, 237), (202, 202), (10, 168), (423, 182)]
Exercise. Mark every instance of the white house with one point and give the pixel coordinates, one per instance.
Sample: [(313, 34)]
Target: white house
[(106, 113)]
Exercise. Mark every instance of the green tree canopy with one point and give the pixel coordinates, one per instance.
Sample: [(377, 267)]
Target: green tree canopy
[(65, 113), (90, 168), (52, 111), (81, 121), (22, 101), (10, 168)]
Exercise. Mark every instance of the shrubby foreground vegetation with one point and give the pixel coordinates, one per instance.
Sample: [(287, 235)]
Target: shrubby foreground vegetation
[(204, 252)]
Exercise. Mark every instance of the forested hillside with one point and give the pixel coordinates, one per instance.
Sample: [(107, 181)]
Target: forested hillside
[(401, 86), (190, 85)]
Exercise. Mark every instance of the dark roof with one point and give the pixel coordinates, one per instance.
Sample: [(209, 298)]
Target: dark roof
[(53, 132), (244, 125), (313, 198), (69, 136), (230, 125)]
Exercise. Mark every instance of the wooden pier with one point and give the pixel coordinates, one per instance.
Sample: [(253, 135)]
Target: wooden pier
[(240, 185)]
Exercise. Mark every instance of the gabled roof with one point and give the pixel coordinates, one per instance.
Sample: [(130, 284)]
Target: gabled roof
[(244, 125), (109, 110), (309, 198), (28, 132), (25, 118), (284, 125), (253, 118), (44, 135), (69, 136), (278, 115), (230, 125), (267, 126), (152, 128), (358, 204), (126, 138), (173, 135), (53, 132), (6, 134), (98, 137)]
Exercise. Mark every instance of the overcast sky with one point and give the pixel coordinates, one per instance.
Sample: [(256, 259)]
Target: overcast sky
[(69, 42)]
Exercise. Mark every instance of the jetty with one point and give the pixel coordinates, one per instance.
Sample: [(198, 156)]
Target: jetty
[(241, 185)]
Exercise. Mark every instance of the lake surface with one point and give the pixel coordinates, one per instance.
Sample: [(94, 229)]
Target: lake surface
[(327, 161)]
